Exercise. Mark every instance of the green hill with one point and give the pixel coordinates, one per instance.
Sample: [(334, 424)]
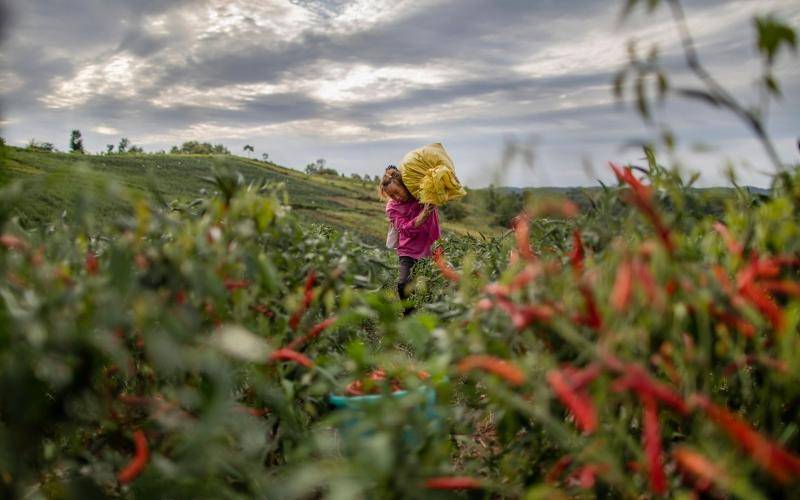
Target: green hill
[(55, 180)]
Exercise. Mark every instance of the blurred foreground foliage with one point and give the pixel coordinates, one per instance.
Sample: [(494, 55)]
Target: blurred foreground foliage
[(190, 349)]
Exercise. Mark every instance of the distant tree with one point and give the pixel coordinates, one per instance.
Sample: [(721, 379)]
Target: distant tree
[(248, 148), (200, 148), (2, 142), (509, 205), (109, 149), (320, 163), (219, 149), (454, 210), (264, 156), (135, 150), (124, 143), (76, 142), (492, 199), (355, 176), (311, 168), (47, 147)]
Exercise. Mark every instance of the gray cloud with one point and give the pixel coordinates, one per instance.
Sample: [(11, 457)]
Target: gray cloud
[(360, 83)]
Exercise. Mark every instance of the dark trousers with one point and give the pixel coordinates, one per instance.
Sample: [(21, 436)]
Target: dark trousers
[(406, 266)]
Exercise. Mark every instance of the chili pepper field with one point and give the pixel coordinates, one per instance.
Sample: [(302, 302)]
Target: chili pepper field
[(192, 350)]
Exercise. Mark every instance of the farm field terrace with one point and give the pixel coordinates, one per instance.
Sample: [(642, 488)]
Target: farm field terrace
[(56, 178)]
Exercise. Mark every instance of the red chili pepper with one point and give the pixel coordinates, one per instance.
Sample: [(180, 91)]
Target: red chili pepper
[(140, 458), (180, 297), (141, 262), (16, 280), (587, 476), (522, 235), (783, 287), (651, 435), (232, 285), (453, 483), (447, 271), (621, 293), (255, 412), (484, 305), (591, 316), (523, 316), (497, 289), (308, 298), (637, 379), (563, 207), (748, 289), (733, 321), (577, 254), (12, 242), (557, 469), (319, 327), (92, 264), (765, 305), (703, 470), (577, 402), (356, 388), (641, 197), (734, 246), (500, 367), (766, 268), (313, 333), (671, 287), (528, 274), (285, 354), (781, 464), (645, 277), (262, 309), (579, 379), (774, 364)]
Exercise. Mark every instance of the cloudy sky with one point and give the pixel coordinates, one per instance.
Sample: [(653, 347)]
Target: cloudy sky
[(361, 82)]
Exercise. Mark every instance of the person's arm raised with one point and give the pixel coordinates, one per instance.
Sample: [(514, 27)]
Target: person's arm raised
[(426, 212)]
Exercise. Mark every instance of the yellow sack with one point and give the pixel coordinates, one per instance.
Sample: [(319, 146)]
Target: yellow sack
[(429, 174)]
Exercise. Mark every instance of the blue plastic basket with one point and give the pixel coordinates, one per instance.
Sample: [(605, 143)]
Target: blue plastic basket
[(358, 405)]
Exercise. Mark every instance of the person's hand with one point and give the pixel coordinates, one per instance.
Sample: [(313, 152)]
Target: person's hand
[(423, 215)]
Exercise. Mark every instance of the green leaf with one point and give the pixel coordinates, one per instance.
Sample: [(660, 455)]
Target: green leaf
[(651, 158), (771, 35)]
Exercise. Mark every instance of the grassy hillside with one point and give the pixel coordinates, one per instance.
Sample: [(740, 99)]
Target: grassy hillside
[(56, 178)]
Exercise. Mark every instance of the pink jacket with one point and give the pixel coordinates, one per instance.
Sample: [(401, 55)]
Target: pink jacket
[(414, 242)]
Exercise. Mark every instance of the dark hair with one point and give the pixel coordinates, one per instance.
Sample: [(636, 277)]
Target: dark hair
[(390, 175)]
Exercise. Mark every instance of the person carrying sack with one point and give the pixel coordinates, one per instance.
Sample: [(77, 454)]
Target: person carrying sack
[(416, 226)]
